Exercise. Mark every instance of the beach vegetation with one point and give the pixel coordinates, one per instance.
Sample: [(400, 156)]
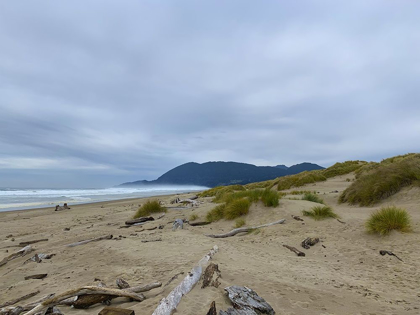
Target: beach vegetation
[(193, 217), (270, 198), (320, 213), (221, 190), (376, 182), (236, 208), (386, 219), (312, 197), (216, 213), (239, 223), (151, 206)]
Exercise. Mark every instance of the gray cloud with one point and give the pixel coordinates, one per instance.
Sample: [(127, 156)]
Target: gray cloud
[(93, 93)]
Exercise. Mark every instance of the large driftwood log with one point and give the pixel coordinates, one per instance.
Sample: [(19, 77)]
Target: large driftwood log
[(22, 252), (22, 298), (295, 250), (169, 304), (246, 229), (107, 237), (83, 291), (246, 302), (139, 220)]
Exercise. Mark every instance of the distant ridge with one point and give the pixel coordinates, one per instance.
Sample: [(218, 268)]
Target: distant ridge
[(211, 174)]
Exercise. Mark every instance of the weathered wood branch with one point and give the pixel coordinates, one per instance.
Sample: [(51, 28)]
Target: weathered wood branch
[(144, 288), (247, 301), (22, 298), (83, 291), (208, 276), (295, 250), (385, 252), (22, 252), (245, 229), (169, 304), (139, 220), (154, 240), (297, 218), (198, 223), (32, 242), (107, 237), (309, 241), (16, 310), (122, 284), (37, 276)]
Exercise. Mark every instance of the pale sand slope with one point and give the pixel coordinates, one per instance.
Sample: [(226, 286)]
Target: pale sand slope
[(347, 277)]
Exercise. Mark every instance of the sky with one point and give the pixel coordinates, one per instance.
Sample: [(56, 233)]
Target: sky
[(96, 93)]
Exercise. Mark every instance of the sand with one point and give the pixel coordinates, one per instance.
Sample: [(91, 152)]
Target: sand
[(344, 276)]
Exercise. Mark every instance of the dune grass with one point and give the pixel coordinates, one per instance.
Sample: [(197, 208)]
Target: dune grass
[(270, 198), (216, 214), (320, 213), (236, 208), (193, 217), (152, 206), (239, 223), (376, 182), (221, 190), (386, 219), (312, 197)]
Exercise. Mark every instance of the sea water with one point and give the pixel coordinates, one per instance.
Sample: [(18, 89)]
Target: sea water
[(20, 199)]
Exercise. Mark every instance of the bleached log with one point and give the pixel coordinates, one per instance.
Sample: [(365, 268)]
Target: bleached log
[(107, 237), (144, 288), (246, 229), (169, 304), (22, 252), (83, 291)]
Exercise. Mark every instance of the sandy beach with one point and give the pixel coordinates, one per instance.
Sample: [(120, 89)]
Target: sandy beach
[(343, 274)]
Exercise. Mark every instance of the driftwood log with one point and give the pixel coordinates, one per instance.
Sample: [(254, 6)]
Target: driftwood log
[(309, 241), (245, 229), (22, 252), (16, 310), (198, 223), (212, 310), (88, 290), (22, 298), (107, 237), (115, 311), (246, 302), (168, 305), (208, 276), (295, 250), (37, 276), (297, 218), (139, 220), (32, 242)]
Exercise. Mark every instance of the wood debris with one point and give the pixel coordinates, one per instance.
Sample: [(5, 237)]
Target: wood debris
[(295, 250), (246, 229)]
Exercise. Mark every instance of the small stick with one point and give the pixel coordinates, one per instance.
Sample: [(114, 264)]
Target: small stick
[(297, 218), (107, 237), (295, 250), (384, 252), (32, 242)]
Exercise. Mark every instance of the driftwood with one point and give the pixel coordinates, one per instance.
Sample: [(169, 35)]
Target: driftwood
[(198, 223), (295, 250), (160, 217), (309, 241), (107, 237), (208, 276), (22, 252), (212, 310), (16, 310), (37, 276), (22, 298), (88, 290), (341, 221), (122, 284), (246, 302), (173, 278), (387, 252), (246, 229), (144, 288), (32, 242), (115, 311), (169, 304), (155, 240), (39, 257), (297, 218), (139, 220)]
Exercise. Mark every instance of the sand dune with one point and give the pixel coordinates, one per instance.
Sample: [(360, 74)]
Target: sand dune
[(344, 276)]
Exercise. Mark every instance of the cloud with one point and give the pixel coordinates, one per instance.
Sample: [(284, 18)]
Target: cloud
[(101, 92)]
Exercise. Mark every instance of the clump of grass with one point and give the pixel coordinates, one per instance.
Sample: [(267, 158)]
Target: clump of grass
[(236, 208), (239, 223), (320, 213), (221, 189), (299, 192), (297, 180), (387, 219), (152, 206), (216, 213), (381, 180), (193, 217), (313, 198), (270, 198), (342, 168)]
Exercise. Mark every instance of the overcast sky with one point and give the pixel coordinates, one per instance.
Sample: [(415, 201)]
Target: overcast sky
[(95, 93)]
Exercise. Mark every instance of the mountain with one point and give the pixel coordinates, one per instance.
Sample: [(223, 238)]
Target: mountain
[(213, 174)]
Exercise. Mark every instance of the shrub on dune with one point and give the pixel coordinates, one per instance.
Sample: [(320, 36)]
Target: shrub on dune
[(387, 219), (320, 213), (313, 198), (236, 208), (270, 198), (148, 208), (216, 213)]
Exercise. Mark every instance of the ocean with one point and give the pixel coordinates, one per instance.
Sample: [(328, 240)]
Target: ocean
[(21, 199)]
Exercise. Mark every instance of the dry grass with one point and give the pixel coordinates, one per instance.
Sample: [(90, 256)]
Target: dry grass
[(148, 208), (313, 198), (193, 217), (239, 223), (320, 213), (387, 219)]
